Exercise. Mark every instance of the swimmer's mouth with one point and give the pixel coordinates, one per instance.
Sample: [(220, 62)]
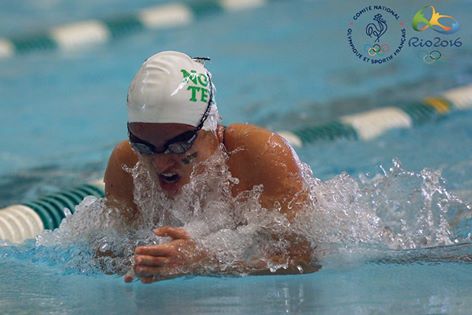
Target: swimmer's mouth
[(169, 178)]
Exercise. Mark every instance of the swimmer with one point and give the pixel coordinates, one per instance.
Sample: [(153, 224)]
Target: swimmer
[(173, 126)]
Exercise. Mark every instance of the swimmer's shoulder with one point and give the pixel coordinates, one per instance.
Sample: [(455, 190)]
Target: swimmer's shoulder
[(122, 155), (118, 182), (256, 140), (260, 156)]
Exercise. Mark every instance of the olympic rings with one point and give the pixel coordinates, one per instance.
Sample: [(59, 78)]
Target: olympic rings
[(435, 54), (372, 52), (432, 57), (376, 49)]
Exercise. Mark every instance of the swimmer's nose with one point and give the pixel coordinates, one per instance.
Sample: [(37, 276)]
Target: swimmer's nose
[(163, 162)]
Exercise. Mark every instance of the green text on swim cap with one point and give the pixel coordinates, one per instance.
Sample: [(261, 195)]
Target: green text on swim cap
[(197, 79)]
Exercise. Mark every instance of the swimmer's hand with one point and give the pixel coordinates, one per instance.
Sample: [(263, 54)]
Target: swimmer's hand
[(178, 257)]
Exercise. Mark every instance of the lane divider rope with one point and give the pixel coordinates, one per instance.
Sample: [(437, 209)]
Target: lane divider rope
[(24, 221), (371, 124), (95, 32)]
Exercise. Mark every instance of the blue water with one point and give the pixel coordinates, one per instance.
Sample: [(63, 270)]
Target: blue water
[(366, 289), (286, 64)]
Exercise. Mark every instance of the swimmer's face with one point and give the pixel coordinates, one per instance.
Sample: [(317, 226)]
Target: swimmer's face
[(172, 170)]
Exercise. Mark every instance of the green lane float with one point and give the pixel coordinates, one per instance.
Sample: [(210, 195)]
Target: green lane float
[(96, 32), (371, 124), (25, 221)]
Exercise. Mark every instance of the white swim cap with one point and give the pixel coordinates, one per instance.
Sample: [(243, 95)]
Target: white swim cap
[(171, 87)]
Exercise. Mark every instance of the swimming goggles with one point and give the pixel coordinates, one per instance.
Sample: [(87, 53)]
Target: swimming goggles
[(177, 145)]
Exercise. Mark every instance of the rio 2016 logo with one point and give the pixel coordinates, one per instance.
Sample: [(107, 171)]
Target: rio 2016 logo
[(421, 23), (429, 18)]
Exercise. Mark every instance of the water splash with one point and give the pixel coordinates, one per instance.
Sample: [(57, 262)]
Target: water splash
[(395, 211)]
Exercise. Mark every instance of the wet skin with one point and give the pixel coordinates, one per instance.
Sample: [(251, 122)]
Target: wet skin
[(255, 156)]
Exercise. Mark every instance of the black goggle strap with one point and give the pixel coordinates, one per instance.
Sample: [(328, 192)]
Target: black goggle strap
[(208, 108), (202, 60)]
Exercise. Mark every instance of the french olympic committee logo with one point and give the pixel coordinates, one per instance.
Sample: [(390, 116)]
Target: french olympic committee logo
[(376, 34)]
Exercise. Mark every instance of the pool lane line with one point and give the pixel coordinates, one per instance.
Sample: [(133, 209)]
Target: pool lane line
[(372, 124), (25, 221), (95, 32)]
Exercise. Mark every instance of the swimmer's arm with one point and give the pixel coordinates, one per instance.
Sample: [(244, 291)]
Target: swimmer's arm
[(119, 186), (261, 157), (118, 182)]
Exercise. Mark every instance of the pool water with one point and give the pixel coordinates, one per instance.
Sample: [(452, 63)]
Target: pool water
[(285, 64)]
